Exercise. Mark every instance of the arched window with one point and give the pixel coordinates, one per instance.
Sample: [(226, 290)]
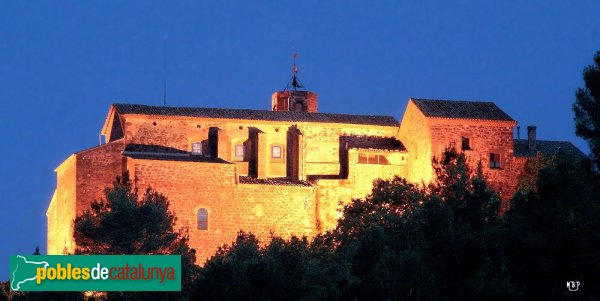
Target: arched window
[(202, 219)]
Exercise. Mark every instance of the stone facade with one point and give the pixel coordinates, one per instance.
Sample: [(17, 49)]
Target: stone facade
[(286, 171)]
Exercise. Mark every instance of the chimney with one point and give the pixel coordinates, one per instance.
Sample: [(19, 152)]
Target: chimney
[(531, 137)]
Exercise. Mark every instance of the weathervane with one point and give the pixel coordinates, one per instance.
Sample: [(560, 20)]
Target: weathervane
[(294, 82)]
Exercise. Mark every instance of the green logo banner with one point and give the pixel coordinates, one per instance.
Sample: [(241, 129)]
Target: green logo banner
[(95, 273)]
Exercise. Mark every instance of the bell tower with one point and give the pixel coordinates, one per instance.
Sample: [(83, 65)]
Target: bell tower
[(294, 97)]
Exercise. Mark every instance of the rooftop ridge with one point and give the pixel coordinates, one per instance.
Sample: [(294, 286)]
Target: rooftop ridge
[(253, 110), (453, 100), (254, 114)]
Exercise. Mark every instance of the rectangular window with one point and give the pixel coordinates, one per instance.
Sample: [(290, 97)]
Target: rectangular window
[(494, 160), (197, 148), (276, 152), (239, 150), (466, 143), (366, 158)]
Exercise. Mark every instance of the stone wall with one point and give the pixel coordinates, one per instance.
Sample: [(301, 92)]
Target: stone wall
[(320, 143), (333, 194), (231, 206), (80, 180), (485, 137), (97, 168), (416, 136), (62, 209)]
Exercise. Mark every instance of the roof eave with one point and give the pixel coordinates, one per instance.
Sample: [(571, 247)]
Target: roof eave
[(379, 149), (511, 121), (166, 116)]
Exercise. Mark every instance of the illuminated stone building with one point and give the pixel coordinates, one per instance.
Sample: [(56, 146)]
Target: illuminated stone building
[(284, 170)]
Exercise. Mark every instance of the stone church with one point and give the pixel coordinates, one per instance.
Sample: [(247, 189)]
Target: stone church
[(284, 170)]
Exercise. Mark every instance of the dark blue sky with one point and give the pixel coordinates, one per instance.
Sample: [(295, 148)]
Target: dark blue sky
[(63, 63)]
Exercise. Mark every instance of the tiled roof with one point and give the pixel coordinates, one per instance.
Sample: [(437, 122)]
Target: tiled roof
[(547, 148), (273, 181), (461, 109), (159, 152), (256, 114), (373, 142)]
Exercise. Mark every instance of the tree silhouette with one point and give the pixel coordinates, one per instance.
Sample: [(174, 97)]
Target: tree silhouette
[(587, 108), (124, 222)]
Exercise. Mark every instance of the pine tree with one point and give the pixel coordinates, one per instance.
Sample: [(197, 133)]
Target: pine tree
[(587, 108), (125, 222)]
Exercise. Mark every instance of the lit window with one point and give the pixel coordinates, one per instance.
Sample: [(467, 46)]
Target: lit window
[(239, 150), (466, 143), (365, 158), (276, 152), (202, 219), (494, 160), (197, 148)]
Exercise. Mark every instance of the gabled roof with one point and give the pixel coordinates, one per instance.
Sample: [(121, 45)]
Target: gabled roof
[(256, 114), (547, 148), (461, 109), (373, 142)]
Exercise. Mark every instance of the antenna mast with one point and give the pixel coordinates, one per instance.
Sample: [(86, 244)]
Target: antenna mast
[(164, 72)]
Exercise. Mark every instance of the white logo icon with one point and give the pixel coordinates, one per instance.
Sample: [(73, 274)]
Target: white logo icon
[(17, 286), (573, 285)]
